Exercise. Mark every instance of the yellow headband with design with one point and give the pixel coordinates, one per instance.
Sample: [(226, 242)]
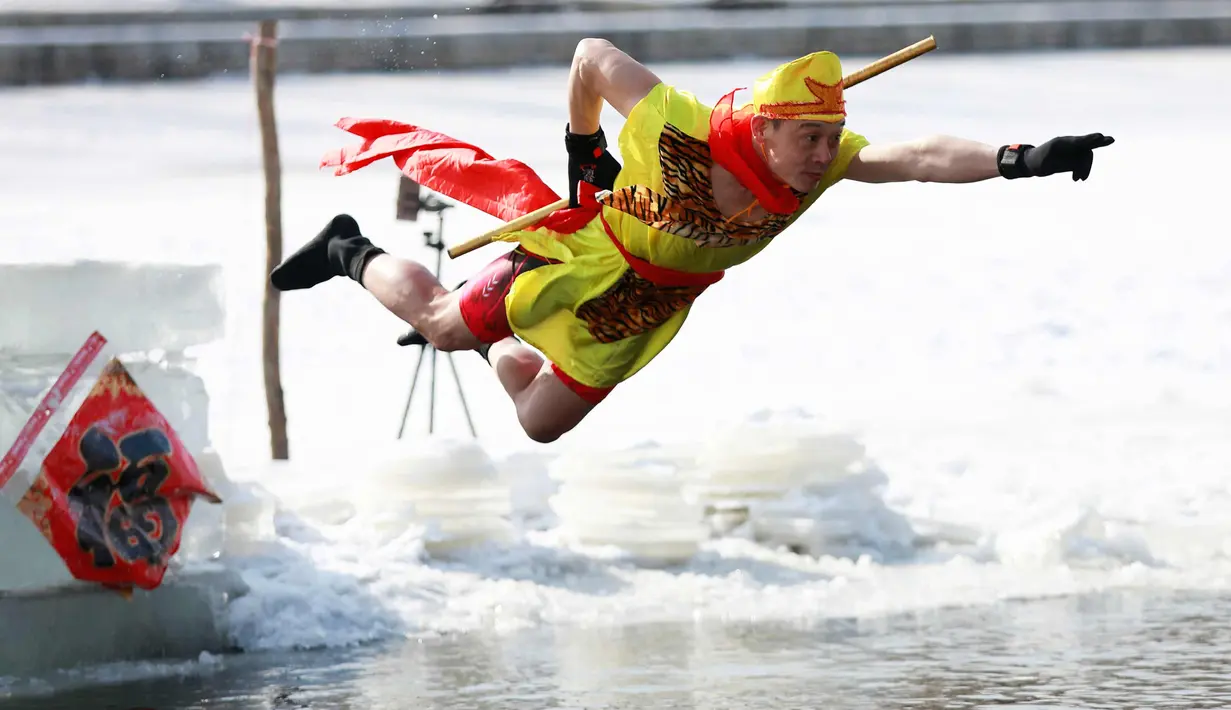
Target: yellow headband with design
[(806, 89)]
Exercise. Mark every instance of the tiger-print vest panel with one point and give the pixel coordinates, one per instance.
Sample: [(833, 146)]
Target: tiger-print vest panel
[(686, 165), (686, 209), (633, 305)]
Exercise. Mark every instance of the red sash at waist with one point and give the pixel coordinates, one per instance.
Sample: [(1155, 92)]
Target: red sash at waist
[(660, 275)]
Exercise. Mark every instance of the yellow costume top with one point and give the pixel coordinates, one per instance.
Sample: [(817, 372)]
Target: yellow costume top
[(600, 319)]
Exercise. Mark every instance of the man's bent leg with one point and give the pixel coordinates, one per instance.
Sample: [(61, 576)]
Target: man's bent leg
[(413, 293), (406, 288), (549, 403), (478, 303)]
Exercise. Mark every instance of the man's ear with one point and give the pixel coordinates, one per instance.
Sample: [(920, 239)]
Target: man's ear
[(759, 125)]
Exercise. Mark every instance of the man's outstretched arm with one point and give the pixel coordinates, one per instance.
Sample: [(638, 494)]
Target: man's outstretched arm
[(601, 72), (958, 160), (932, 159)]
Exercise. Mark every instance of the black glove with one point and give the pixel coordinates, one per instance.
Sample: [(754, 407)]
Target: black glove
[(1065, 154), (589, 162)]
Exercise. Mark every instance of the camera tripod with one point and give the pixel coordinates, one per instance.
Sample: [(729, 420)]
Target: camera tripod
[(408, 207)]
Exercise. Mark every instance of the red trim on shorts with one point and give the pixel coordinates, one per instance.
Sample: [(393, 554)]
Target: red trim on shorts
[(483, 313), (482, 298), (593, 395)]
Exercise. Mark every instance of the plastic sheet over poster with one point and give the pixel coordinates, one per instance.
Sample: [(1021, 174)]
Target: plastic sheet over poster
[(102, 475)]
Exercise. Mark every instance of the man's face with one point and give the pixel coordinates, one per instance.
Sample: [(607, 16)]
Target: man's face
[(798, 152)]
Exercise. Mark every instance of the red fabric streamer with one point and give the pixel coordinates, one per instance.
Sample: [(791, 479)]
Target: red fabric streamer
[(505, 188)]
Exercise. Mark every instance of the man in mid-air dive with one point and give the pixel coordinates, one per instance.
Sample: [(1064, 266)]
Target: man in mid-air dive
[(601, 288)]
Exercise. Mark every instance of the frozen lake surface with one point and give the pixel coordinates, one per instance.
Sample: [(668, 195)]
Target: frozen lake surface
[(1096, 651)]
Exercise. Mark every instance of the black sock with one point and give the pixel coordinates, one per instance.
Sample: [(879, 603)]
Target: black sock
[(338, 250)]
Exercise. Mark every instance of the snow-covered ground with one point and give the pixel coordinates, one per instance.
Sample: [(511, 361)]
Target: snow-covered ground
[(1037, 371)]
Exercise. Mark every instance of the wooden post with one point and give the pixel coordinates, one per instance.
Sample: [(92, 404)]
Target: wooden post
[(264, 68)]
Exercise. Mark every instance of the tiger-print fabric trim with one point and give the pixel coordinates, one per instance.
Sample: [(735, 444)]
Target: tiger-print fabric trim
[(632, 306), (686, 208)]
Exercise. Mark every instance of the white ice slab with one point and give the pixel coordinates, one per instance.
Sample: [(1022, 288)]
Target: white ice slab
[(51, 308)]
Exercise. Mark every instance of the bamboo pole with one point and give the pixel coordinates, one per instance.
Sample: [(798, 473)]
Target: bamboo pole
[(884, 64), (527, 220)]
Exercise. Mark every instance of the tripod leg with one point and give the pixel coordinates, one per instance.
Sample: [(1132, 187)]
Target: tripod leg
[(431, 407), (414, 381), (460, 394)]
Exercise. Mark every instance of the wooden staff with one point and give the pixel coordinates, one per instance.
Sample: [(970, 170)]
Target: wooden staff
[(527, 220), (884, 64), (880, 66)]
